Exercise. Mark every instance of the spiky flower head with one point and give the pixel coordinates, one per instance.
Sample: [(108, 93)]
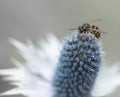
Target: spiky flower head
[(34, 77), (77, 67)]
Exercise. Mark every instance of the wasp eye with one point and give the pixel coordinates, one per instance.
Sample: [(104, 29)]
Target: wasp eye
[(79, 27)]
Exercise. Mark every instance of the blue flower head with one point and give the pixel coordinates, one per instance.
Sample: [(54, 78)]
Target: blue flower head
[(77, 67), (75, 74)]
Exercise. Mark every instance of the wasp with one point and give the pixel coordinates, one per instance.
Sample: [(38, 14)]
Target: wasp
[(89, 28)]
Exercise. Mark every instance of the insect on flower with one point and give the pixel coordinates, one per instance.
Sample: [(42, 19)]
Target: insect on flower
[(89, 28)]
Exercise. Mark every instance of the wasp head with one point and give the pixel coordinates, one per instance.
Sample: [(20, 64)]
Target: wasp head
[(85, 26)]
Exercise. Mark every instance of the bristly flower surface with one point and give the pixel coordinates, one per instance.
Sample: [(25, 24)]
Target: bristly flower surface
[(75, 75), (77, 68)]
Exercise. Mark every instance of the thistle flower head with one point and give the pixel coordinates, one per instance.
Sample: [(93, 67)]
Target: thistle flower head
[(77, 67)]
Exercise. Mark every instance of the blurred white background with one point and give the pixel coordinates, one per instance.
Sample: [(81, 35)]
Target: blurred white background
[(22, 19)]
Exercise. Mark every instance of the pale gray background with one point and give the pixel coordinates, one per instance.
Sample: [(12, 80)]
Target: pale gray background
[(21, 19)]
